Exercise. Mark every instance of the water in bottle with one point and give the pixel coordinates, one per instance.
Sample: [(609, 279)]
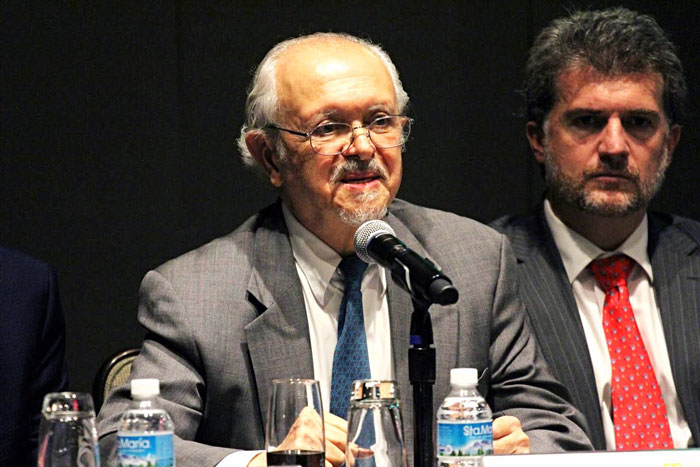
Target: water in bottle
[(464, 432), (145, 436)]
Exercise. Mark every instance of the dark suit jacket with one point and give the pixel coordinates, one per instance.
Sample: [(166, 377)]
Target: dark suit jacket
[(32, 348), (675, 258), (227, 318)]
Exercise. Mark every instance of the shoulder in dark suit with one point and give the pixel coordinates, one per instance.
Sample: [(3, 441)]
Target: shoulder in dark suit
[(32, 348), (674, 250)]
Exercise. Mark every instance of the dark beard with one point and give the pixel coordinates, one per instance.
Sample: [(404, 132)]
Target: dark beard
[(566, 190)]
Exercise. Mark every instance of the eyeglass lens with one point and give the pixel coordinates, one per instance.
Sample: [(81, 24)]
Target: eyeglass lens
[(385, 132)]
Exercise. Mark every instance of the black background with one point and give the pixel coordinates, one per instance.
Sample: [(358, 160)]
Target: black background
[(118, 123)]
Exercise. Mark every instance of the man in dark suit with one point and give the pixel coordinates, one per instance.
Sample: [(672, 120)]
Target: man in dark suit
[(605, 92), (325, 126), (32, 348)]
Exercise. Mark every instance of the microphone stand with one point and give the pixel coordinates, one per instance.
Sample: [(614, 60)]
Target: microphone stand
[(421, 374)]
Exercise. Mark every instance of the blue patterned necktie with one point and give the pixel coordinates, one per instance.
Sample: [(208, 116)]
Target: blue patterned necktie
[(350, 360)]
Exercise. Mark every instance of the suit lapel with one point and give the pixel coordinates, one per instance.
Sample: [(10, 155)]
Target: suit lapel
[(676, 265), (554, 315), (278, 340), (400, 309)]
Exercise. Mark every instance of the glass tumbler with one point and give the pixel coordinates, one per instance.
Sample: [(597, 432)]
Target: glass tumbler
[(67, 433), (375, 428), (294, 434)]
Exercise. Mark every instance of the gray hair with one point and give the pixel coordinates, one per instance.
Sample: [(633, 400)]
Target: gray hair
[(262, 102), (613, 42)]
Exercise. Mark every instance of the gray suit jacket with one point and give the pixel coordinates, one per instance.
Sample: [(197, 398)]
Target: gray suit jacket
[(227, 318), (554, 316)]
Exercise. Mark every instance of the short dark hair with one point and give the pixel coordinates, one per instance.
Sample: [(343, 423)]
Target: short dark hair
[(613, 42)]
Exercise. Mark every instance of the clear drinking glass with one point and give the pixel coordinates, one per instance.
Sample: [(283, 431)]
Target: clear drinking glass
[(375, 428), (294, 434), (67, 434)]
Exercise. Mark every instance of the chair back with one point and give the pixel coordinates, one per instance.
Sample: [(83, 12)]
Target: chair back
[(114, 372)]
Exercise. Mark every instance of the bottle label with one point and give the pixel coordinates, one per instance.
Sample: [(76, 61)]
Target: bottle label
[(153, 450), (462, 439)]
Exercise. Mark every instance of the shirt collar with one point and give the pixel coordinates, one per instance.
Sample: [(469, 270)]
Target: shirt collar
[(577, 252), (319, 262)]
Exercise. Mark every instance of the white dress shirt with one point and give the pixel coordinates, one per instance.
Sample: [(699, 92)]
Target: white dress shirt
[(576, 253), (322, 285)]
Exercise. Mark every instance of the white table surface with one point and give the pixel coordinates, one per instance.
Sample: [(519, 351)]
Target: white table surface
[(663, 458)]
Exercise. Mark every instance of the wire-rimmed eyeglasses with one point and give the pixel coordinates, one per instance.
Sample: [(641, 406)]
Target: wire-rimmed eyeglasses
[(333, 138)]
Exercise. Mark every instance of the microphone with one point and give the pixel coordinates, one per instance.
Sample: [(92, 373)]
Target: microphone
[(375, 242)]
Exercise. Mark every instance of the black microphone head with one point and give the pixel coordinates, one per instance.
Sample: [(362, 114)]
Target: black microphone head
[(365, 233)]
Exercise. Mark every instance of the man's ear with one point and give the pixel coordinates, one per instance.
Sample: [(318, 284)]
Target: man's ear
[(265, 154), (673, 137), (535, 136)]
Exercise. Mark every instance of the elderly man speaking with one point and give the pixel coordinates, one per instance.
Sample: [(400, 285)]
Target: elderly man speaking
[(325, 125)]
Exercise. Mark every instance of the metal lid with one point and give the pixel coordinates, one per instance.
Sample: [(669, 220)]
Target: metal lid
[(373, 389)]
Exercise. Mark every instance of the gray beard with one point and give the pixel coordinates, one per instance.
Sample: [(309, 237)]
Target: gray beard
[(363, 213), (358, 216)]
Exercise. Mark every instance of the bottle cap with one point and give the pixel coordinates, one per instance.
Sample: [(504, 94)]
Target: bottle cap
[(144, 388), (465, 377)]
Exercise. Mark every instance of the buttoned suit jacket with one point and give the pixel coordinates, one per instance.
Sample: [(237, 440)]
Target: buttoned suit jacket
[(548, 297), (227, 318), (32, 352)]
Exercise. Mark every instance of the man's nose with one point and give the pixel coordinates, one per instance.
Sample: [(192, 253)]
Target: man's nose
[(613, 139), (361, 145)]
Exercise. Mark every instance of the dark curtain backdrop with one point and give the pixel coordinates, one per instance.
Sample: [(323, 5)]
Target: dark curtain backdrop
[(118, 123)]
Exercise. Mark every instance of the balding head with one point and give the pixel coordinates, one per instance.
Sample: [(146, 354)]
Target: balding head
[(263, 106)]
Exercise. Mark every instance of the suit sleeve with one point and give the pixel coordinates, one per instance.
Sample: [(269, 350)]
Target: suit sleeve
[(521, 384), (170, 354), (49, 372)]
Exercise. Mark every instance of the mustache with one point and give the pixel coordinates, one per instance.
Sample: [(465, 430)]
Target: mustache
[(354, 164), (604, 172)]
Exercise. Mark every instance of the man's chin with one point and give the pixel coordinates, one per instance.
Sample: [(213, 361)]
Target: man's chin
[(356, 216), (362, 207), (610, 204)]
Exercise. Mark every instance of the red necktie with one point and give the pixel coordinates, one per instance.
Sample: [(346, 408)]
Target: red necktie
[(639, 412)]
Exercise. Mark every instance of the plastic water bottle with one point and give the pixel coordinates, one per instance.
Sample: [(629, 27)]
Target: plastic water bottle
[(464, 429), (145, 435)]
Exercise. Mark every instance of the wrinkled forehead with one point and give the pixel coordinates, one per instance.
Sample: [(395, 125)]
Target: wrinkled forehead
[(586, 87), (573, 78)]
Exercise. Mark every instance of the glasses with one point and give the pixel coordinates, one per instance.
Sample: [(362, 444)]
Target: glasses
[(294, 433), (375, 431), (67, 434), (331, 139)]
